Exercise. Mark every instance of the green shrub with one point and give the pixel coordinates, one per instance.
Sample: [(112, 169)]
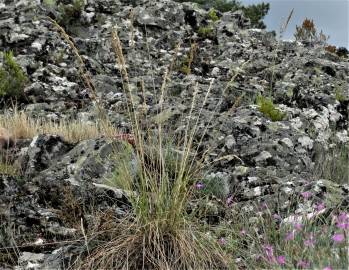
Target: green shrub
[(342, 52), (205, 31), (213, 186), (212, 14), (255, 13), (267, 107), (188, 61), (12, 78)]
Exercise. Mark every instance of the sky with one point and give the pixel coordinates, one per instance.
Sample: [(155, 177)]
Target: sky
[(331, 16)]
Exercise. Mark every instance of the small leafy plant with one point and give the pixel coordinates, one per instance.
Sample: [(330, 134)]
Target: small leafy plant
[(12, 78), (187, 63), (267, 107), (212, 15), (205, 31)]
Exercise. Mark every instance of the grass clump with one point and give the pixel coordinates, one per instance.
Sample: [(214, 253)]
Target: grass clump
[(12, 77), (158, 174), (267, 107), (23, 126)]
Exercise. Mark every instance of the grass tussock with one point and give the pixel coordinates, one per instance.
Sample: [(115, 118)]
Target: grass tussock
[(22, 126), (159, 173)]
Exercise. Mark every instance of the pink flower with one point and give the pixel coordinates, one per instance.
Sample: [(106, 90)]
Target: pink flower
[(343, 226), (269, 252), (229, 200), (264, 205), (306, 195), (298, 226), (303, 264), (199, 185), (277, 217), (327, 268), (242, 232), (338, 237), (281, 260), (310, 241), (290, 236), (343, 217), (342, 221), (222, 241), (320, 206)]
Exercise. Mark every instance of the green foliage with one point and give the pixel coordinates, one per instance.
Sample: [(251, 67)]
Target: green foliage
[(213, 186), (12, 78), (342, 52), (255, 13), (308, 34), (212, 14), (339, 91), (50, 3), (66, 13), (71, 12), (205, 31), (267, 107), (188, 61)]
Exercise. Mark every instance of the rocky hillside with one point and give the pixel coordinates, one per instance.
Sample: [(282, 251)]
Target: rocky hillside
[(264, 152)]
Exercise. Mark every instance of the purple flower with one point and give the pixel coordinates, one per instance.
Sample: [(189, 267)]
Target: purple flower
[(343, 217), (298, 226), (264, 205), (269, 252), (277, 217), (290, 236), (229, 200), (310, 241), (222, 241), (320, 206), (306, 195), (343, 226), (281, 260), (327, 268), (338, 237), (199, 185), (303, 264)]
